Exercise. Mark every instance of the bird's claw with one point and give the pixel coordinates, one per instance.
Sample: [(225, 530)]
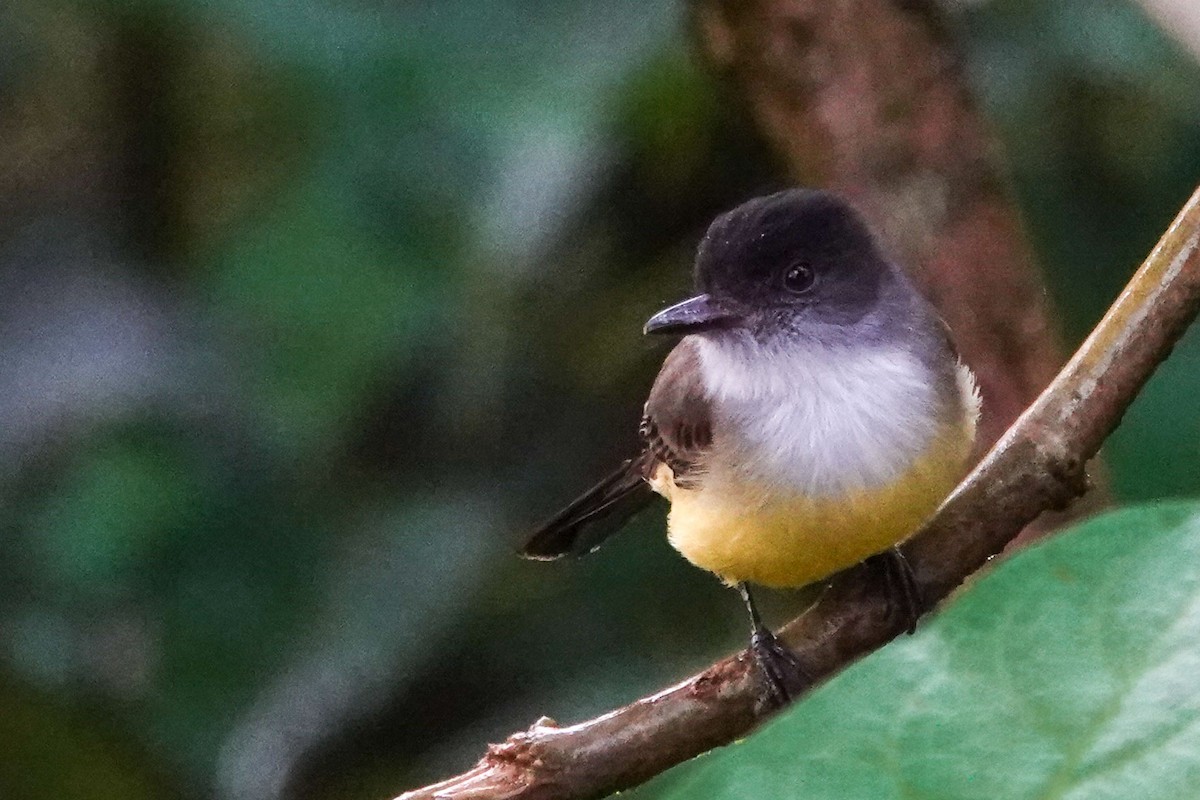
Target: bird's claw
[(903, 592), (784, 677)]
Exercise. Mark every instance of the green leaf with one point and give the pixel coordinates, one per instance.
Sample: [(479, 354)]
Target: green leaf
[(1072, 671)]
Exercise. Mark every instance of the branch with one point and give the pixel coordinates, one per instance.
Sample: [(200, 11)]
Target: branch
[(1037, 465)]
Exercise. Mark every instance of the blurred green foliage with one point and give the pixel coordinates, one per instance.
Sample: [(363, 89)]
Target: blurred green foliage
[(51, 751), (309, 309), (1056, 675)]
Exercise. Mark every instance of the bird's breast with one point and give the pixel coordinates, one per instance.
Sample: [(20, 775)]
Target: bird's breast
[(744, 534), (816, 465), (820, 423)]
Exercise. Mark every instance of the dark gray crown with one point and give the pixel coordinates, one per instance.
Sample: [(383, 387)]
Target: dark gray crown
[(746, 251)]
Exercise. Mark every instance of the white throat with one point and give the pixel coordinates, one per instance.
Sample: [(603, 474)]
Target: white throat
[(816, 420)]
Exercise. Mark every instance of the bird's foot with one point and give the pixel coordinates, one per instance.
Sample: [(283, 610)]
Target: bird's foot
[(903, 593), (784, 677)]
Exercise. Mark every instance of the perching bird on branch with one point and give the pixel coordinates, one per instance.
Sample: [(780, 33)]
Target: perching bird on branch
[(812, 416)]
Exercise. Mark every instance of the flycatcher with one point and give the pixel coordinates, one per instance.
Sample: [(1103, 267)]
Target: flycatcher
[(813, 415)]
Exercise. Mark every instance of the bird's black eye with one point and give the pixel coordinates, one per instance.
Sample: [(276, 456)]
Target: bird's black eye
[(799, 278)]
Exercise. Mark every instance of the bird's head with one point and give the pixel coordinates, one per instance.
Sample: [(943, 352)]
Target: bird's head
[(792, 263)]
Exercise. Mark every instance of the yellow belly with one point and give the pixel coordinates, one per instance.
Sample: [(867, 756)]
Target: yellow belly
[(741, 535)]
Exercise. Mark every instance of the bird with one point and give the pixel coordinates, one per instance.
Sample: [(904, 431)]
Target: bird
[(813, 413)]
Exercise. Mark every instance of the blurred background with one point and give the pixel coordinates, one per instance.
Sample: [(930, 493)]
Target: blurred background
[(310, 308)]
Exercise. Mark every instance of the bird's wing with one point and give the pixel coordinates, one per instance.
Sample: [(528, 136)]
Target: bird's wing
[(677, 422), (676, 430), (597, 514)]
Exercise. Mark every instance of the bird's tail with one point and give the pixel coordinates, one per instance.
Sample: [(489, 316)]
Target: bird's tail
[(599, 513)]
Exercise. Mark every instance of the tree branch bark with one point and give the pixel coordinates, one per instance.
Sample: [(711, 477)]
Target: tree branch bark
[(1037, 465)]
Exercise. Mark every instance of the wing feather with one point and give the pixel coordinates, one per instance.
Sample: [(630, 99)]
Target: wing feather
[(676, 430)]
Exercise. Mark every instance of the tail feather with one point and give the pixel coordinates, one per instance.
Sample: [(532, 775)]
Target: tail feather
[(599, 513)]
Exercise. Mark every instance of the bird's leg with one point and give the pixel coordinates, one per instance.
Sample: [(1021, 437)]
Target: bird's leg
[(782, 672), (904, 595)]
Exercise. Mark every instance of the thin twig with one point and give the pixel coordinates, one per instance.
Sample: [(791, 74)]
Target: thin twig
[(1037, 465)]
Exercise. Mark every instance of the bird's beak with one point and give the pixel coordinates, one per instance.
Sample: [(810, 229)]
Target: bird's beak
[(694, 314)]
